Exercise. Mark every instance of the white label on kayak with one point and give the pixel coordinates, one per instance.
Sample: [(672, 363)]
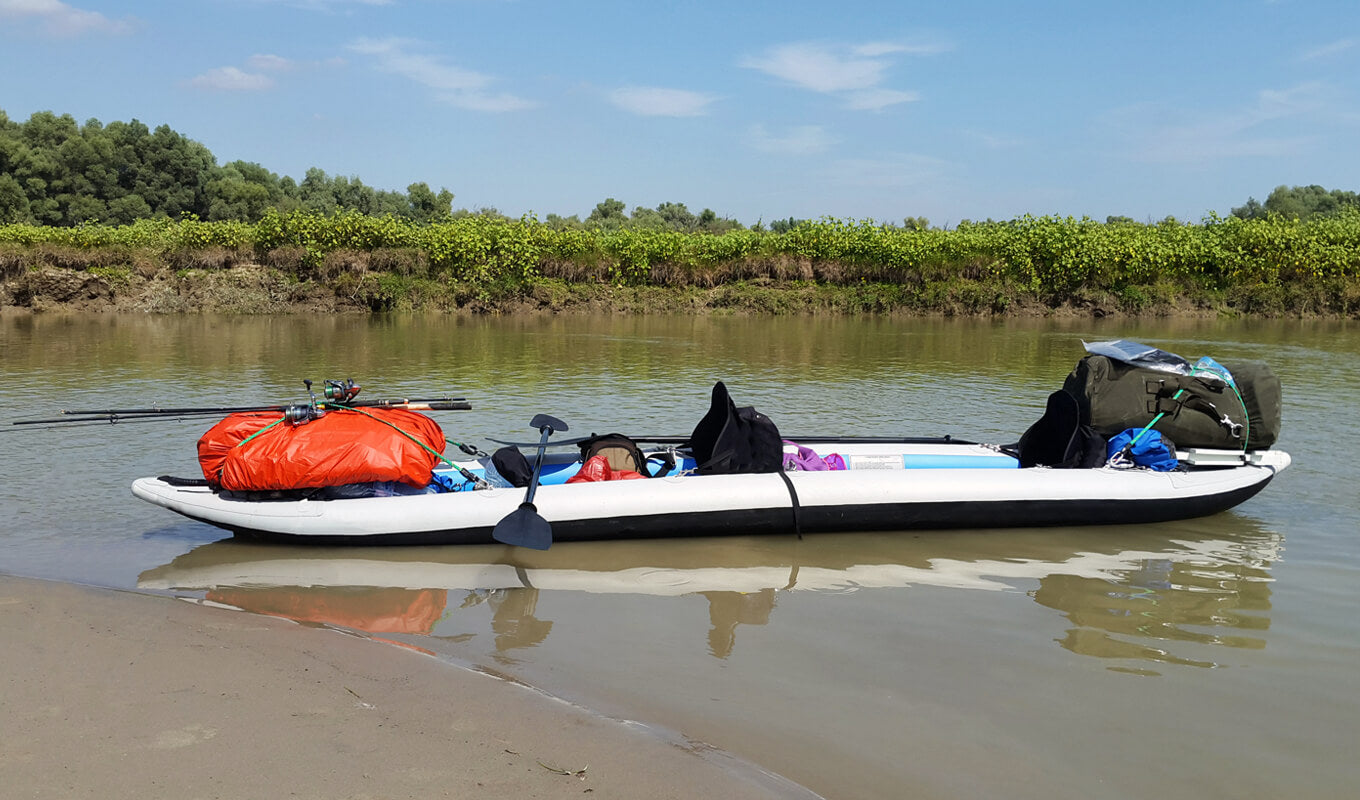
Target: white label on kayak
[(877, 462)]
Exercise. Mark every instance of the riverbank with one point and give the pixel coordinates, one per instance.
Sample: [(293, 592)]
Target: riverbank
[(250, 288), (115, 694)]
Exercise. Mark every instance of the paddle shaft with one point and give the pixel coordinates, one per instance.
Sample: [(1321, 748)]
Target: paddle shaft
[(678, 440), (538, 469)]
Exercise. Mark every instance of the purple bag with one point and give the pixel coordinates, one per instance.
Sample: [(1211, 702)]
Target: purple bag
[(807, 460)]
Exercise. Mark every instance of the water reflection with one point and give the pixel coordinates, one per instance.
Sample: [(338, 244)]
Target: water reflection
[(1165, 602), (1136, 593)]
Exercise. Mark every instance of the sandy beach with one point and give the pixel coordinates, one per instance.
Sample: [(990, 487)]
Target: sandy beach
[(114, 694)]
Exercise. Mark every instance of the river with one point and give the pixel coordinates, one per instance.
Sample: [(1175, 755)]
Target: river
[(1207, 658)]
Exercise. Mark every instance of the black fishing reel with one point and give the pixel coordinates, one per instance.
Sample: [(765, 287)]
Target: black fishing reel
[(301, 415), (334, 393)]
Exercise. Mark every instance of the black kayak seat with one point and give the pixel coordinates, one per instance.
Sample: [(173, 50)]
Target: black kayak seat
[(730, 440), (1061, 438)]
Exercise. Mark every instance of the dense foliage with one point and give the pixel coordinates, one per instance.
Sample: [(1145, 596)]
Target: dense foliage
[(54, 171), (1041, 254), (1302, 202), (121, 199)]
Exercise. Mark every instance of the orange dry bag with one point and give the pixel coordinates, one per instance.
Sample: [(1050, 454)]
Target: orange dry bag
[(256, 451)]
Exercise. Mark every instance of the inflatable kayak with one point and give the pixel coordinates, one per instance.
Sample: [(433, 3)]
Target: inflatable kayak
[(884, 487), (1097, 456)]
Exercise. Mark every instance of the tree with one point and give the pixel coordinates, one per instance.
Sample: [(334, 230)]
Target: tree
[(1252, 210), (128, 209), (1301, 202), (648, 219), (61, 173), (426, 206), (13, 201), (315, 192), (677, 217), (608, 214), (560, 223), (244, 190)]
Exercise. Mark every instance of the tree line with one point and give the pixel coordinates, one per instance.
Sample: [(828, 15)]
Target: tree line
[(57, 172), (54, 171), (1301, 202)]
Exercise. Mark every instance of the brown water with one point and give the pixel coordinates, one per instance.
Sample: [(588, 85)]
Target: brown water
[(1199, 659)]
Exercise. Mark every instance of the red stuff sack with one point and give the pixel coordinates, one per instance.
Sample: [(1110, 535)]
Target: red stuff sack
[(597, 468), (239, 454)]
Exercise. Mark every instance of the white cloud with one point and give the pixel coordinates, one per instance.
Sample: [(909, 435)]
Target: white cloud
[(818, 68), (61, 19), (878, 99), (1252, 131), (873, 49), (854, 72), (1327, 50), (456, 86), (653, 101), (804, 140), (231, 79), (269, 63)]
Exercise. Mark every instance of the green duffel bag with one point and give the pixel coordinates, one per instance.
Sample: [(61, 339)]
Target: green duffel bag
[(1198, 411)]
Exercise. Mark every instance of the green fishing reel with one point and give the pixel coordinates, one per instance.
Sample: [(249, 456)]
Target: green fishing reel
[(333, 393)]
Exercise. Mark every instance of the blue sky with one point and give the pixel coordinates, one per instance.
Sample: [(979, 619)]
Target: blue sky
[(850, 109)]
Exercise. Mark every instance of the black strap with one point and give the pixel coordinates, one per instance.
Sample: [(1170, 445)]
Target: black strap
[(1172, 407), (173, 481), (667, 464), (797, 508)]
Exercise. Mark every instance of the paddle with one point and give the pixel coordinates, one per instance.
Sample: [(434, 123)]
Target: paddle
[(525, 527), (800, 439)]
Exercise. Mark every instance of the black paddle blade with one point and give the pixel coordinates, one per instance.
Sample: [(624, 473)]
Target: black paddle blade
[(541, 421), (524, 527)]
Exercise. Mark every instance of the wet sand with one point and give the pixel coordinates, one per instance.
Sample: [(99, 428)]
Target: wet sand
[(114, 694)]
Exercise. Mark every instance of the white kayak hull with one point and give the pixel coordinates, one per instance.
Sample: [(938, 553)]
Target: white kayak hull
[(692, 505)]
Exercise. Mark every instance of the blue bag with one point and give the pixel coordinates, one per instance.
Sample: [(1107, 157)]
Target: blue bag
[(1151, 451)]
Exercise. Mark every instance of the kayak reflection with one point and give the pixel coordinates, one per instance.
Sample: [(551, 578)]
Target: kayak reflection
[(1134, 596)]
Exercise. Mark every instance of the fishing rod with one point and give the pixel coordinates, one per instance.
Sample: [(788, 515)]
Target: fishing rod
[(336, 395), (293, 412)]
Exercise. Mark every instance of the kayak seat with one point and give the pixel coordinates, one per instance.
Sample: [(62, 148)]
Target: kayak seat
[(622, 453), (730, 440), (1061, 438)]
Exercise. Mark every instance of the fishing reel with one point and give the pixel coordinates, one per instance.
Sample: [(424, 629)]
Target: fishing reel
[(301, 415), (334, 393), (340, 391)]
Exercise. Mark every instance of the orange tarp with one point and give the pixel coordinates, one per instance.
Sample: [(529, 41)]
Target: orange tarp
[(339, 448)]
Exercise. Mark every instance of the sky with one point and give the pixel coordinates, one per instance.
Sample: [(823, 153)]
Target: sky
[(856, 109)]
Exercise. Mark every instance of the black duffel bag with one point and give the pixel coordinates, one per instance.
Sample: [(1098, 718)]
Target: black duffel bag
[(1198, 411)]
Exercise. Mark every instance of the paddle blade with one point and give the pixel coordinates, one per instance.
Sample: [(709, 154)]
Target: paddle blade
[(524, 527), (541, 421)]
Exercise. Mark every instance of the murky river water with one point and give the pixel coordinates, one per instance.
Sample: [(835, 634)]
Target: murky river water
[(1209, 658)]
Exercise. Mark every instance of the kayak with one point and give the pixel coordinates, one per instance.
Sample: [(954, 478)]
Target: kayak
[(907, 486)]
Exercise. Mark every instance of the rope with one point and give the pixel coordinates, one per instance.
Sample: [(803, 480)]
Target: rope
[(422, 445), (260, 431)]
